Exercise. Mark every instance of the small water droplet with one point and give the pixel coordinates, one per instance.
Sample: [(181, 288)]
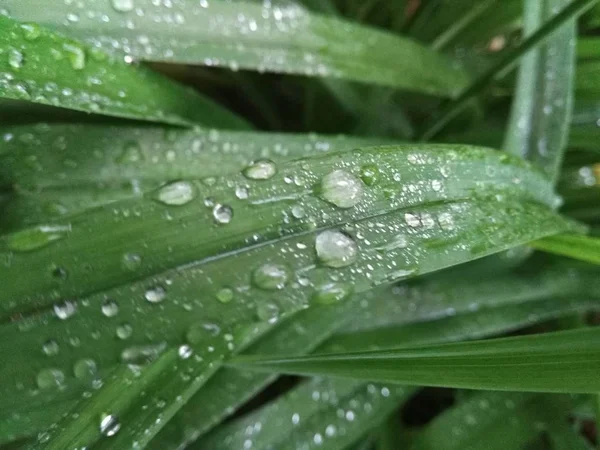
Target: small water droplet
[(132, 261), (65, 309), (132, 153), (156, 294), (335, 249), (50, 378), (369, 174), (15, 58), (342, 189), (270, 277), (109, 425), (110, 308), (298, 211), (184, 351), (241, 192), (51, 348), (331, 293), (222, 213), (177, 193), (35, 238), (124, 331), (260, 170), (123, 5), (76, 56), (142, 354), (31, 31), (225, 295), (268, 312), (85, 369), (198, 333)]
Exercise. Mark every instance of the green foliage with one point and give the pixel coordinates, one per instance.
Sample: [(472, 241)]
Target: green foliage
[(194, 190)]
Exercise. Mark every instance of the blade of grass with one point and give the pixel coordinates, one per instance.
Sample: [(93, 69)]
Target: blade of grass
[(542, 106), (272, 38), (574, 246), (552, 362), (42, 66), (503, 66)]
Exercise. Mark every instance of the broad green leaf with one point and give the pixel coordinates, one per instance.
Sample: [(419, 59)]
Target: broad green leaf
[(504, 65), (542, 105), (209, 266), (246, 35), (572, 245), (552, 362), (493, 421), (45, 67)]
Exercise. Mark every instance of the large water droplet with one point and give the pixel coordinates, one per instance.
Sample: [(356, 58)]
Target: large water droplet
[(37, 237), (85, 369), (222, 213), (342, 189), (110, 308), (109, 425), (65, 309), (50, 378), (260, 170), (156, 294), (123, 5), (177, 193), (270, 276), (335, 249), (331, 293)]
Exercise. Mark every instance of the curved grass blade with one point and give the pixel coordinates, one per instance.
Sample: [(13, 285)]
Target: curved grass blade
[(507, 420), (42, 66), (553, 362), (272, 38), (504, 65), (574, 246), (542, 106), (201, 263)]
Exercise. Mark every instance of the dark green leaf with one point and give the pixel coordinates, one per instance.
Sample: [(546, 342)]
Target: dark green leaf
[(571, 245)]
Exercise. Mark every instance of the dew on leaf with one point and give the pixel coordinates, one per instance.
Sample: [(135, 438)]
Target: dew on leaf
[(184, 351), (369, 174), (268, 312), (109, 425), (342, 189), (65, 309), (156, 294), (110, 308), (85, 369), (222, 213), (123, 5), (50, 378), (177, 193), (225, 295), (15, 58), (132, 261), (37, 237), (124, 331), (270, 277), (50, 348), (331, 293), (260, 170), (31, 31), (75, 55), (336, 249)]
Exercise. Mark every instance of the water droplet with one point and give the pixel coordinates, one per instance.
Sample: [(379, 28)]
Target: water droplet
[(132, 261), (65, 309), (142, 354), (31, 31), (76, 56), (124, 331), (335, 249), (15, 58), (342, 189), (331, 293), (109, 425), (50, 378), (35, 238), (225, 295), (110, 308), (184, 351), (123, 5), (177, 193), (268, 312), (241, 192), (260, 170), (270, 277), (298, 211), (132, 153), (369, 174), (51, 348), (85, 369), (222, 213), (198, 333), (156, 294)]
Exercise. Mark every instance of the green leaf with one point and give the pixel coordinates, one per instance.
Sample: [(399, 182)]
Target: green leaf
[(552, 362), (493, 421), (45, 67), (107, 272), (574, 246), (542, 106), (504, 65), (564, 437), (272, 38)]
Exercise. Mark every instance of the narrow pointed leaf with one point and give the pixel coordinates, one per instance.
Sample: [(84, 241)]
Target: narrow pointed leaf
[(45, 67), (552, 362), (572, 245), (283, 39)]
